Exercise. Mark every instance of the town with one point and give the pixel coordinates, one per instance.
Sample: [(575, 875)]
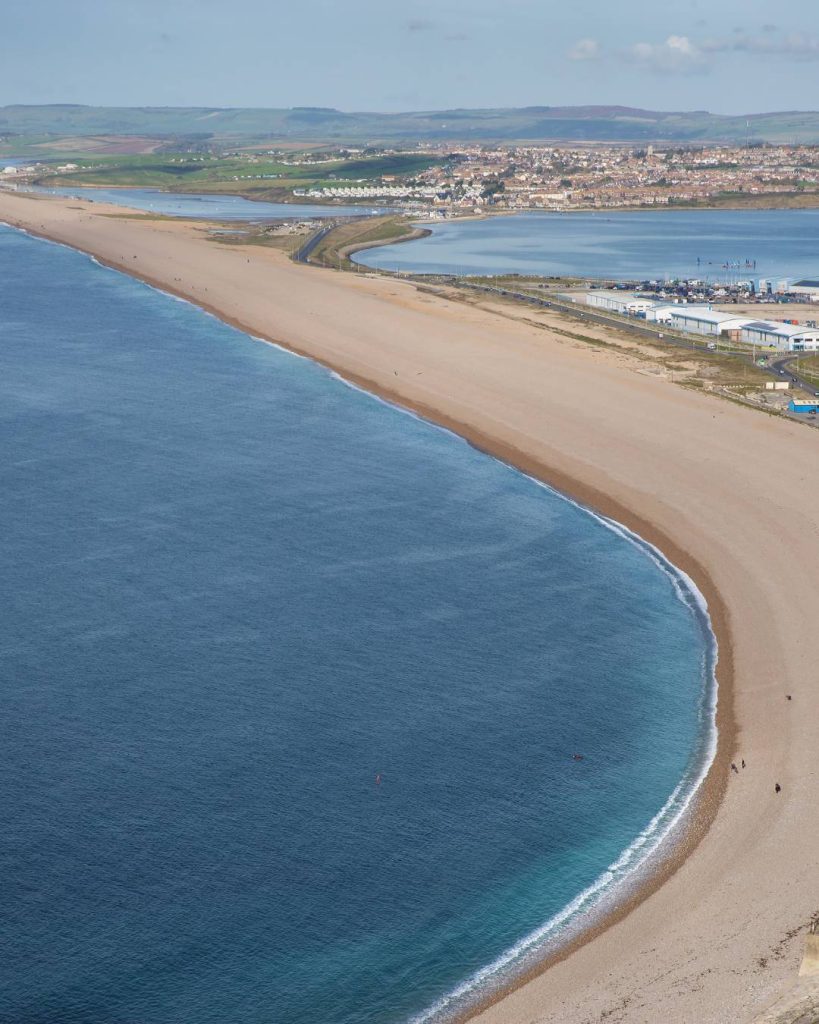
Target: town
[(451, 179), (600, 177)]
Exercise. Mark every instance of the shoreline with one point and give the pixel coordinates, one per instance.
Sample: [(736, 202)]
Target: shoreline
[(346, 251), (675, 850), (618, 897)]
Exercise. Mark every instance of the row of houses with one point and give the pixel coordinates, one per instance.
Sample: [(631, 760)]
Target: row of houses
[(705, 321)]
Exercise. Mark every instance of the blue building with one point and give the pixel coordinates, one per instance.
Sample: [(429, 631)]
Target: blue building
[(803, 405)]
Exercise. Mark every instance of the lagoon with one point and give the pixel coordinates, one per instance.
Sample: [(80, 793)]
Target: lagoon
[(714, 245)]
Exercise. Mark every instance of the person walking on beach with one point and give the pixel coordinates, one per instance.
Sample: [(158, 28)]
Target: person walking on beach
[(777, 788)]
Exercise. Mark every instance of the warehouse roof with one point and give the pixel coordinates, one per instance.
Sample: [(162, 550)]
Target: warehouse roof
[(784, 330), (706, 315)]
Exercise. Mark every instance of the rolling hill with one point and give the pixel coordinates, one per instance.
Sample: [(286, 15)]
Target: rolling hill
[(325, 124)]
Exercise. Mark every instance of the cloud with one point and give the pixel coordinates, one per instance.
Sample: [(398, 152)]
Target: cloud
[(683, 55), (584, 49), (677, 55), (420, 25)]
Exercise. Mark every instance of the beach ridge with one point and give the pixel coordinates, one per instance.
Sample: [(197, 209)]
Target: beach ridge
[(522, 443)]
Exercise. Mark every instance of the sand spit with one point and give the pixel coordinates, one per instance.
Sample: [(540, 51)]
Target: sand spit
[(730, 496)]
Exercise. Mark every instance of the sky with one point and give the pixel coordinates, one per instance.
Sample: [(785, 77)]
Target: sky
[(726, 56)]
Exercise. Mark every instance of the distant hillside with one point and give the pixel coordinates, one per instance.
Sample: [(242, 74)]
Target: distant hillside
[(534, 124)]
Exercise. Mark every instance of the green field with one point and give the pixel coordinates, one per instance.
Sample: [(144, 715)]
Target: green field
[(183, 172), (167, 170), (807, 199), (808, 367)]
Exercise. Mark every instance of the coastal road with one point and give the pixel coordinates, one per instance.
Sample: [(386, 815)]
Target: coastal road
[(302, 254), (784, 367)]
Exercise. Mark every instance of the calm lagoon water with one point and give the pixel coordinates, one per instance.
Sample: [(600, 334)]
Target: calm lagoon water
[(642, 245), (212, 207), (235, 591)]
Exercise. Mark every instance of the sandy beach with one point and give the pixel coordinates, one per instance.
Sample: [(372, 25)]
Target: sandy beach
[(728, 494)]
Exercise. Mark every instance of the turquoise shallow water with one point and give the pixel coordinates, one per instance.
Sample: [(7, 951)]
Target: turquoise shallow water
[(715, 245), (292, 681)]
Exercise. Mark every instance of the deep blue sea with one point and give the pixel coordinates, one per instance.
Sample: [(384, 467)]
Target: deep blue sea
[(208, 205), (729, 244), (292, 681)]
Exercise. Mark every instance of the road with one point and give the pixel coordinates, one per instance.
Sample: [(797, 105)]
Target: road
[(783, 367), (302, 254)]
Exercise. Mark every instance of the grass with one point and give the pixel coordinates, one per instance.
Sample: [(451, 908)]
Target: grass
[(183, 172), (808, 367), (286, 242), (335, 248), (753, 200), (398, 164), (165, 170)]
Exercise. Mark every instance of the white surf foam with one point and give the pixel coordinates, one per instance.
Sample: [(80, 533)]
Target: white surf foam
[(626, 872)]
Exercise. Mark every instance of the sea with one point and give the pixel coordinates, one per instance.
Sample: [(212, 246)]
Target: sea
[(310, 710), (721, 246), (209, 206)]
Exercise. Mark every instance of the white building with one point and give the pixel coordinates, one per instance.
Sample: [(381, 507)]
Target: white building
[(788, 337), (704, 320), (617, 302), (659, 314)]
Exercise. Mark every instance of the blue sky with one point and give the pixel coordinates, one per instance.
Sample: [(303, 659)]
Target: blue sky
[(728, 56)]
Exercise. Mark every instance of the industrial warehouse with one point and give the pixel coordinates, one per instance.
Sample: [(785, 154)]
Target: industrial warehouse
[(704, 320)]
